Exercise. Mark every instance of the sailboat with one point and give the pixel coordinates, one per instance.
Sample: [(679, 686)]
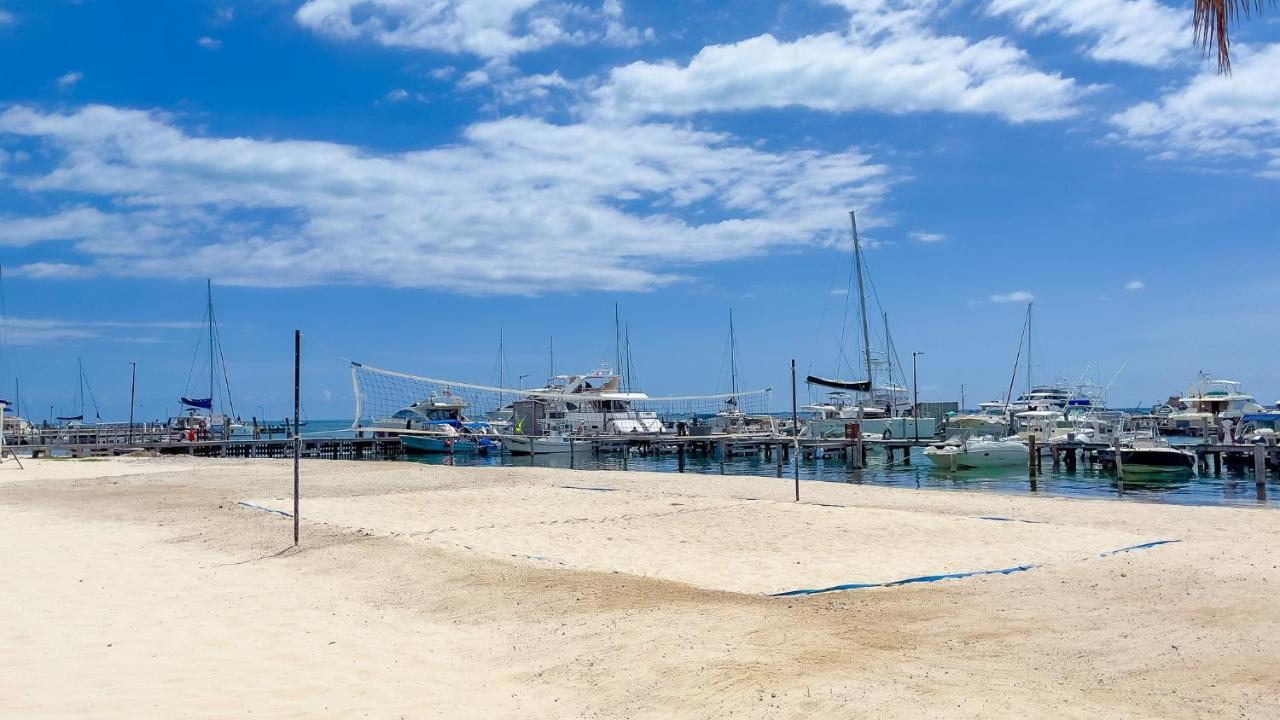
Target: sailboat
[(199, 414), (81, 383), (878, 411)]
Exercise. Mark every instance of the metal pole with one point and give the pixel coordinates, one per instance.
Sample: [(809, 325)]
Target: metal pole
[(795, 426), (915, 392), (297, 437), (133, 386)]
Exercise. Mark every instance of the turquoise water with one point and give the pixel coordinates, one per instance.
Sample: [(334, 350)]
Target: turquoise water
[(1231, 488)]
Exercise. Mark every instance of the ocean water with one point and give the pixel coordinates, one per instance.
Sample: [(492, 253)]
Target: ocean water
[(1233, 487)]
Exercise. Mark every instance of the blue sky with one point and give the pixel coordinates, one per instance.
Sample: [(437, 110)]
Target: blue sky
[(405, 180)]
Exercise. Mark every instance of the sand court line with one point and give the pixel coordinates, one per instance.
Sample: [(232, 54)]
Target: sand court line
[(757, 546)]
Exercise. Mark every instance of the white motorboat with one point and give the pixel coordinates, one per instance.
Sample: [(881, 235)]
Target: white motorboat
[(545, 444), (1207, 404), (976, 454)]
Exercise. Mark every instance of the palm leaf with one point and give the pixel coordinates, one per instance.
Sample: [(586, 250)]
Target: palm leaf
[(1213, 20)]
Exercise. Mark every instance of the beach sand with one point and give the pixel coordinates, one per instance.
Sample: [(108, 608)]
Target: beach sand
[(168, 587)]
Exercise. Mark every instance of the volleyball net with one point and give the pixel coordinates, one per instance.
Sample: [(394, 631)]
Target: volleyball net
[(380, 394)]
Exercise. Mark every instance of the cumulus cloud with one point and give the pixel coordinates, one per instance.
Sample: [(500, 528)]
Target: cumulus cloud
[(1142, 32), (926, 237), (1213, 115), (397, 95), (516, 205), (491, 29), (1135, 285), (209, 43), (888, 60), (1017, 296), (70, 80)]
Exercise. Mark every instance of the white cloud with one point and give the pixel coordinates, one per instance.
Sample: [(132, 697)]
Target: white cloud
[(888, 60), (209, 43), (443, 73), (515, 206), (1143, 32), (398, 94), (492, 29), (41, 331), (1135, 285), (1017, 296), (926, 237), (7, 18), (70, 80), (1213, 115)]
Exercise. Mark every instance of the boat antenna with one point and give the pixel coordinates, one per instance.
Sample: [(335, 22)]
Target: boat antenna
[(862, 296)]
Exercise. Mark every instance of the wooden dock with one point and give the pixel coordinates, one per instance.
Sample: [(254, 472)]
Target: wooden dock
[(312, 448)]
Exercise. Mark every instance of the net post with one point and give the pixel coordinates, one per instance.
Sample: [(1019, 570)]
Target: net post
[(297, 436)]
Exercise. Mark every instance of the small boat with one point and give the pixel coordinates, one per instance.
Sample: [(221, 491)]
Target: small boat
[(1153, 456), (975, 454), (445, 444), (545, 444)]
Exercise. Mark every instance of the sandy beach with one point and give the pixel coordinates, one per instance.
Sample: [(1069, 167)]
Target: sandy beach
[(162, 588)]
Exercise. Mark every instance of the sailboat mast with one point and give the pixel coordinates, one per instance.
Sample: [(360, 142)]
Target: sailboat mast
[(888, 356), (209, 317), (862, 296), (80, 368), (617, 341), (733, 358), (1029, 346), (553, 357)]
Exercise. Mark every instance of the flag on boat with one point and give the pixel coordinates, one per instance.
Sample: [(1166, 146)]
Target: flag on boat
[(206, 403)]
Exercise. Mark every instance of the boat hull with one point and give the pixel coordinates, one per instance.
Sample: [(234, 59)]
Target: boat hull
[(549, 445), (978, 455), (425, 445), (1156, 462), (898, 427)]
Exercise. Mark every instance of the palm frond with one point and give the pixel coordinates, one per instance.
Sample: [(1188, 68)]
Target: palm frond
[(1213, 20)]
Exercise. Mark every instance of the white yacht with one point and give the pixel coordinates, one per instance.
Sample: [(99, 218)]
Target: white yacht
[(1206, 404), (581, 406), (828, 419)]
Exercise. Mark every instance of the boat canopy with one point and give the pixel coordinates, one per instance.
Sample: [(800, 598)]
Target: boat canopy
[(72, 417), (854, 385), (205, 403)]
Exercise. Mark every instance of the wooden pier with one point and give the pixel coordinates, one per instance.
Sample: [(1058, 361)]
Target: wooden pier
[(313, 448)]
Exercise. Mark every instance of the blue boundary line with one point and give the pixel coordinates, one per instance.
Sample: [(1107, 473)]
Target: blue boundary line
[(1143, 546), (251, 506), (954, 576)]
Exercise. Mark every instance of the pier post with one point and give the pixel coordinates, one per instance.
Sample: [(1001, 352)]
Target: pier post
[(1217, 463), (680, 456), (1056, 458), (1260, 465), (906, 455), (780, 453), (859, 451), (1033, 453)]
